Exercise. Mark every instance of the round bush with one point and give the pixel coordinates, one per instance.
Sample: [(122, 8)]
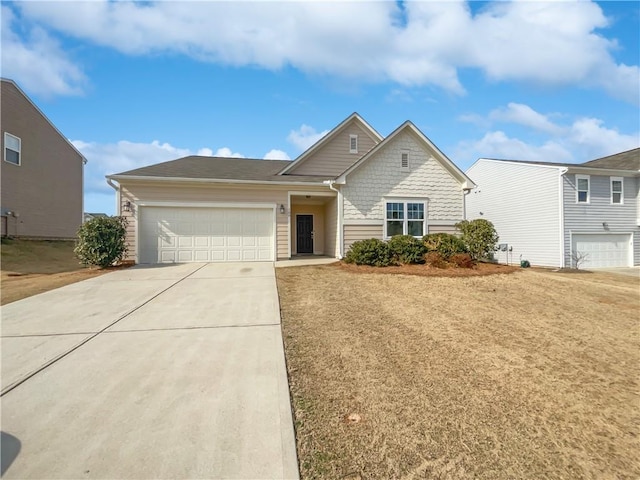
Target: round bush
[(445, 244), (101, 241), (372, 252), (480, 236), (406, 249)]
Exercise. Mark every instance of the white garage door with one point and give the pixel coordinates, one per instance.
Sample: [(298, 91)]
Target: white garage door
[(185, 234), (603, 250)]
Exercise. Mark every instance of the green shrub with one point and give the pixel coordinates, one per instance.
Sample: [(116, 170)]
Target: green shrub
[(479, 236), (372, 252), (435, 260), (101, 241), (445, 244), (406, 249), (462, 260)]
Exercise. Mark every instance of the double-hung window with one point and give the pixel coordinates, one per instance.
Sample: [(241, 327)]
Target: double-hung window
[(405, 217), (12, 145), (617, 195), (582, 188)]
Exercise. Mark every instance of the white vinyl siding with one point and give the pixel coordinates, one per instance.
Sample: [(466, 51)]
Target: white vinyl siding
[(599, 216), (523, 203), (583, 188), (12, 149), (617, 191)]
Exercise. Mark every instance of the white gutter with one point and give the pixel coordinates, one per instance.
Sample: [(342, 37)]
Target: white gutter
[(117, 189), (120, 178), (561, 171), (340, 217)]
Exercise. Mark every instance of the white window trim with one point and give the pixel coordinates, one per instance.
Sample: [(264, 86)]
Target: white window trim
[(588, 179), (353, 150), (7, 134), (405, 220), (403, 168), (621, 180)]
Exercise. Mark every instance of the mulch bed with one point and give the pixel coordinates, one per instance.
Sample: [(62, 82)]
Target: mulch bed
[(480, 269)]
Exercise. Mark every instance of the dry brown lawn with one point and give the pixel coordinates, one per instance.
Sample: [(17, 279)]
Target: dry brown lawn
[(29, 267), (534, 374)]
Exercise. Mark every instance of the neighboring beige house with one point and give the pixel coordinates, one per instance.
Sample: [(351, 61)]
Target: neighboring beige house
[(351, 185), (40, 172)]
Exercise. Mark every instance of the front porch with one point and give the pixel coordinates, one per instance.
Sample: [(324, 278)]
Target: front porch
[(313, 225)]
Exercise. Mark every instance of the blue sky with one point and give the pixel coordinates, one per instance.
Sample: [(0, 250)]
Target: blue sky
[(132, 84)]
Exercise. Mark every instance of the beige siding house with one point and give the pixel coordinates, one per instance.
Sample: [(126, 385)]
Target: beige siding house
[(40, 172), (352, 184)]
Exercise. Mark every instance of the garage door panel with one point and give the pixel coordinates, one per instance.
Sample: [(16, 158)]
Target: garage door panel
[(603, 250), (184, 234)]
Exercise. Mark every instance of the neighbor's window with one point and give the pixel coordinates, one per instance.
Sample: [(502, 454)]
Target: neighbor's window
[(405, 218), (353, 143), (12, 148), (582, 187), (616, 190)]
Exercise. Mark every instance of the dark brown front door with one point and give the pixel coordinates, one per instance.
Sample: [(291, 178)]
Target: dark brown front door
[(304, 233)]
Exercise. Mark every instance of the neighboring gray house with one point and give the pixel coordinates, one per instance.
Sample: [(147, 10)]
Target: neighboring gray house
[(352, 184), (553, 213), (40, 171)]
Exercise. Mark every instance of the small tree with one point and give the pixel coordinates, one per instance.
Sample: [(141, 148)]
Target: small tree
[(101, 241), (480, 237), (579, 258)]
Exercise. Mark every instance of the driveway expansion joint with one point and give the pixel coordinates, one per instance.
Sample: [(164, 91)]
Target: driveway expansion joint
[(46, 365)]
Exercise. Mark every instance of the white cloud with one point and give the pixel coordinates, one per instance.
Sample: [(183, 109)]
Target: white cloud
[(527, 116), (498, 145), (548, 43), (275, 154), (225, 152), (582, 140), (109, 158), (38, 64), (305, 136)]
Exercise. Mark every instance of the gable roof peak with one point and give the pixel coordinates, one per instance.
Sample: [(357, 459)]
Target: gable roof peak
[(355, 116)]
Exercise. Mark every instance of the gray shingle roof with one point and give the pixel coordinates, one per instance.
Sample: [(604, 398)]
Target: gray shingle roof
[(629, 160), (218, 168)]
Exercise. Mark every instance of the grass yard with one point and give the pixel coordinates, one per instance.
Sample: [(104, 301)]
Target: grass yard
[(29, 267), (528, 375)]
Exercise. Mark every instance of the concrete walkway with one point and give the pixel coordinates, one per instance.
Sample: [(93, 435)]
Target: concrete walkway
[(158, 372)]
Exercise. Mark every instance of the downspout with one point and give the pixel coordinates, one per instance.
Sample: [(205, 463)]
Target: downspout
[(83, 162), (117, 189), (330, 183), (465, 191), (562, 171)]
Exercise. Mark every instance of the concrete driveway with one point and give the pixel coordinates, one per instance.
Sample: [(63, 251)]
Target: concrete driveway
[(151, 372)]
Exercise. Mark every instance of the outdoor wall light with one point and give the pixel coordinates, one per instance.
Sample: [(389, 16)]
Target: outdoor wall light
[(605, 225), (127, 206), (282, 210)]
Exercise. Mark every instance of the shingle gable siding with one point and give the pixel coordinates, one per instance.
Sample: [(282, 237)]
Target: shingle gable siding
[(588, 218), (334, 158), (381, 176)]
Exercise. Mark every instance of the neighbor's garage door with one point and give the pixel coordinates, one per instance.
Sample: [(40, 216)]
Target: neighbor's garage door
[(603, 250), (184, 234)]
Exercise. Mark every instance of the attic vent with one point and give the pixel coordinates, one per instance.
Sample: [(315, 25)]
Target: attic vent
[(353, 143), (404, 162)]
